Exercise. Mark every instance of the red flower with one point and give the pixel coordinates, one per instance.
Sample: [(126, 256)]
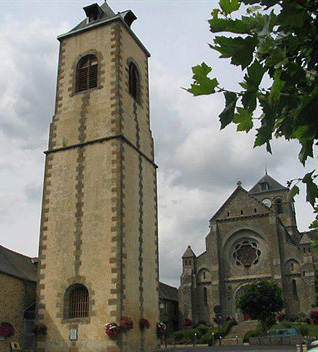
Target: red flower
[(126, 324), (112, 330), (188, 322), (144, 323), (6, 330)]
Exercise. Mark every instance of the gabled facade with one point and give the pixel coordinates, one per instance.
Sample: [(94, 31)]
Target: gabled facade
[(253, 235)]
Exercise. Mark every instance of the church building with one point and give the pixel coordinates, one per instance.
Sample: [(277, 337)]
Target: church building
[(98, 252), (252, 236)]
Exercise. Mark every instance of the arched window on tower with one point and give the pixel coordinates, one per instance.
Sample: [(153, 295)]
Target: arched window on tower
[(86, 73), (134, 82), (205, 295), (76, 302), (279, 206)]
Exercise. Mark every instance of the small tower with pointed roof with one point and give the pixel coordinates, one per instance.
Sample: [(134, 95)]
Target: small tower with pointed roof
[(98, 252), (187, 296), (277, 197)]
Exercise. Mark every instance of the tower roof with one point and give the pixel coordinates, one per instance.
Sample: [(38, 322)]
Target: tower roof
[(188, 253), (101, 15), (267, 184)]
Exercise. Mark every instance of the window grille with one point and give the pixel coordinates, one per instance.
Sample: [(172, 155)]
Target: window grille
[(86, 73), (134, 82), (77, 299)]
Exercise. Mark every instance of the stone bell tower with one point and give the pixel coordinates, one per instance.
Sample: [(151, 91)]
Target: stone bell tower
[(98, 242)]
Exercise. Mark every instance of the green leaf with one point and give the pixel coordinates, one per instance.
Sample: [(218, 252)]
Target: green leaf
[(229, 6), (227, 114), (311, 188), (202, 85), (306, 150), (277, 87), (239, 26), (243, 119), (294, 191), (240, 50)]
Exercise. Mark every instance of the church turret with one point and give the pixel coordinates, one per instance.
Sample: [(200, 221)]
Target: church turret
[(187, 289), (277, 197), (188, 260)]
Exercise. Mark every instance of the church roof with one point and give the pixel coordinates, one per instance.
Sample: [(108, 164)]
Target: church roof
[(188, 253), (17, 265), (307, 237), (168, 292), (271, 185), (238, 189)]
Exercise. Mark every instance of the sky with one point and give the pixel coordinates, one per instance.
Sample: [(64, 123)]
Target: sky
[(199, 165)]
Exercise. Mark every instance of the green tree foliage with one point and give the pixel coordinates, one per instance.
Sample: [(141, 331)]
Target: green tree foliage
[(276, 41), (261, 300)]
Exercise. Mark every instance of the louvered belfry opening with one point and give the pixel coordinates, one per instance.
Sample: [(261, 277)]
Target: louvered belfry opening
[(134, 81), (78, 302), (86, 73)]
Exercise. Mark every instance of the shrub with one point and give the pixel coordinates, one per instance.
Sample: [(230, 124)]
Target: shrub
[(287, 324), (203, 329), (303, 329), (178, 336), (226, 326), (253, 333)]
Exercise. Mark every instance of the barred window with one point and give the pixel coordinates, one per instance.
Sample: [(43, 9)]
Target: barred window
[(134, 82), (76, 302), (86, 73)]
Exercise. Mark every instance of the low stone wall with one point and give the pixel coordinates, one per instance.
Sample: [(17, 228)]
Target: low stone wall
[(232, 341), (267, 340)]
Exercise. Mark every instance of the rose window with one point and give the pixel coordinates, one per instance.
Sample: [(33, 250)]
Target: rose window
[(246, 253)]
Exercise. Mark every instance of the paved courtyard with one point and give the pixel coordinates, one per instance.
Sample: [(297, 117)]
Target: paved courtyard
[(230, 349)]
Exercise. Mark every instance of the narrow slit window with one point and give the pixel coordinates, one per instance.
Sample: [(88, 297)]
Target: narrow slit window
[(205, 296), (295, 289), (87, 73), (279, 206), (134, 82)]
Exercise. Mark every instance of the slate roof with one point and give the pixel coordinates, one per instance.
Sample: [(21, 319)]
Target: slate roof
[(17, 265), (188, 253), (168, 292), (108, 14), (239, 188), (273, 185), (127, 17)]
